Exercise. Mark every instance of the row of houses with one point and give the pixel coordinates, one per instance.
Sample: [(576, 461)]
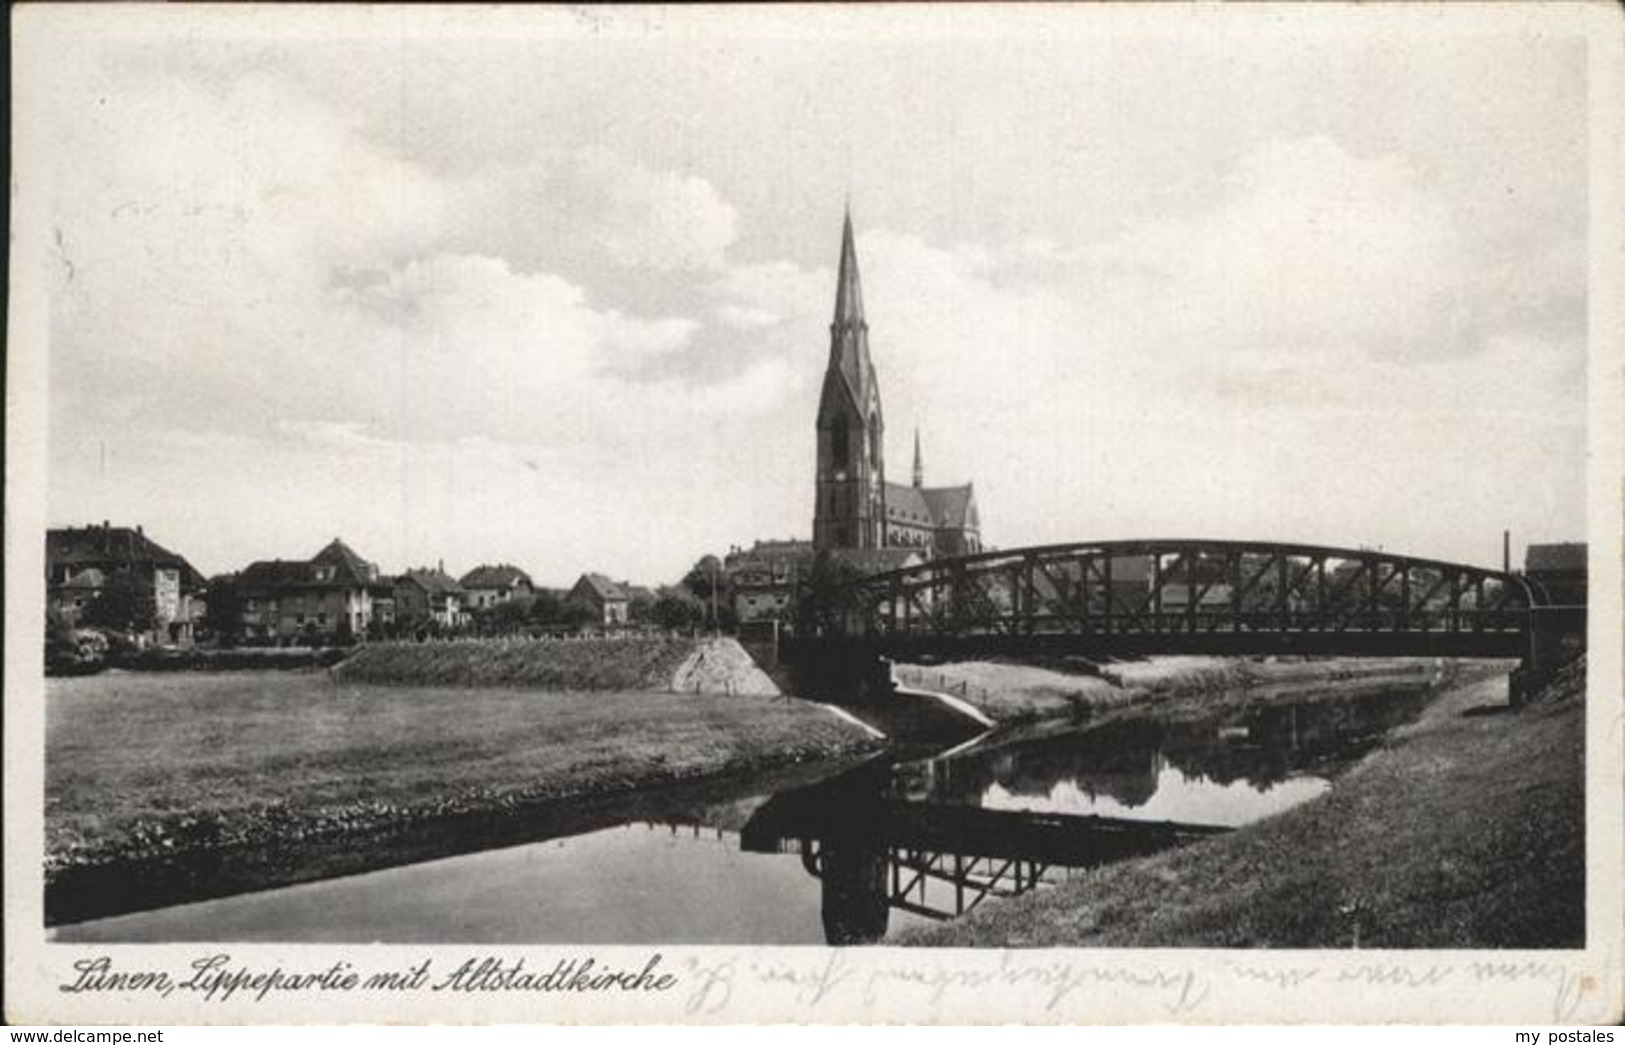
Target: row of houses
[(334, 594)]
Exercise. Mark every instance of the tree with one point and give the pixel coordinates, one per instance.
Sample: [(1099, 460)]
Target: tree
[(640, 610), (547, 607), (708, 582), (676, 609), (223, 610), (831, 597), (504, 618), (127, 603)]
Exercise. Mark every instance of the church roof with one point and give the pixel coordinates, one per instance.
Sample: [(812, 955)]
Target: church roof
[(908, 504), (950, 505), (936, 506)]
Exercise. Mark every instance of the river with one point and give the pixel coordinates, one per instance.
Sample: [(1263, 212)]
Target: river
[(843, 855)]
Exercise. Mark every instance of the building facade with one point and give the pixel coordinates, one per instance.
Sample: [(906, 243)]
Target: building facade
[(610, 602), (487, 586), (766, 579), (328, 596), (427, 596), (856, 507), (79, 561)]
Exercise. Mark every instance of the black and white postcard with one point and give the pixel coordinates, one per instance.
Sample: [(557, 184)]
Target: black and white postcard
[(827, 514)]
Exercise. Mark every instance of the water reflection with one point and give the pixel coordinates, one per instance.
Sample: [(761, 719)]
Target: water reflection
[(937, 836), (1225, 768)]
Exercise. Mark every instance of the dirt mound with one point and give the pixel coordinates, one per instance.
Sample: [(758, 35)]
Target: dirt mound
[(722, 666)]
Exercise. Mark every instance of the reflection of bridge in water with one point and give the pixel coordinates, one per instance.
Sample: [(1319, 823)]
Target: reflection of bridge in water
[(873, 854), (1143, 597)]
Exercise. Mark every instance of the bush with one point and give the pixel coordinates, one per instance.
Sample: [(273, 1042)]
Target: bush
[(628, 663)]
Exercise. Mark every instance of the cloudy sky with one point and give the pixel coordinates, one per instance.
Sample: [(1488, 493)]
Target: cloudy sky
[(554, 288)]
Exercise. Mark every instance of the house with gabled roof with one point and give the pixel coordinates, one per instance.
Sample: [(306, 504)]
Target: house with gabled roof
[(429, 596), (330, 595), (80, 559), (609, 601), (487, 586), (766, 579)]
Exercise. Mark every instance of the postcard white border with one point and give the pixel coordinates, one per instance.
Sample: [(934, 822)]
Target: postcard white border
[(869, 985)]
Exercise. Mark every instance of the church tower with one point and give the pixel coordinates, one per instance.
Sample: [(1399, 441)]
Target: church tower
[(850, 511)]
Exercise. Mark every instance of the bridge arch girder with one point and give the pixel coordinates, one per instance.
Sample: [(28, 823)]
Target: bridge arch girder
[(1210, 592)]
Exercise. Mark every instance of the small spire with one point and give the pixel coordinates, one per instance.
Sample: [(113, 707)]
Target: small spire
[(919, 462)]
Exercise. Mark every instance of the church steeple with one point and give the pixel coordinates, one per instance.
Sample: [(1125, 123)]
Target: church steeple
[(850, 511), (919, 462)]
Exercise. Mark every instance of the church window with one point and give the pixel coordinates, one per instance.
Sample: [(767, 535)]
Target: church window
[(838, 448), (874, 440)]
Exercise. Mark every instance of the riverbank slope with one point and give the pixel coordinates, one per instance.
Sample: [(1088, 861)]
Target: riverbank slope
[(1466, 829), (1009, 691), (144, 769)]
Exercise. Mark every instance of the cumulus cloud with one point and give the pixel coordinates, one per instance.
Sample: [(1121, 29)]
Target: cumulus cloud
[(656, 219)]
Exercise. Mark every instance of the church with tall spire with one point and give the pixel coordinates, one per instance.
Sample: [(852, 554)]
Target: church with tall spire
[(856, 507)]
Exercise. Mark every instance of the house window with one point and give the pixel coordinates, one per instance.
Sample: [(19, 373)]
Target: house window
[(299, 618), (321, 618)]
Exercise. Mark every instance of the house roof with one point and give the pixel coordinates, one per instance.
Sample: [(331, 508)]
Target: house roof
[(604, 588), (351, 567), (435, 582), (772, 552), (280, 573), (349, 571), (500, 576), (1549, 558), (108, 547)]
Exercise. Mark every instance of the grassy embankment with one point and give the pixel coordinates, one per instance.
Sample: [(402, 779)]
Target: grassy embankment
[(1464, 830), (147, 766), (1010, 692)]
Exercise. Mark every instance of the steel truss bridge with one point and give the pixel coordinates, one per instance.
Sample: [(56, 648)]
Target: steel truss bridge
[(1138, 597)]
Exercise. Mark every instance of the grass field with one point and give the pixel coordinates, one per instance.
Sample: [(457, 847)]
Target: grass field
[(158, 764), (1465, 830)]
